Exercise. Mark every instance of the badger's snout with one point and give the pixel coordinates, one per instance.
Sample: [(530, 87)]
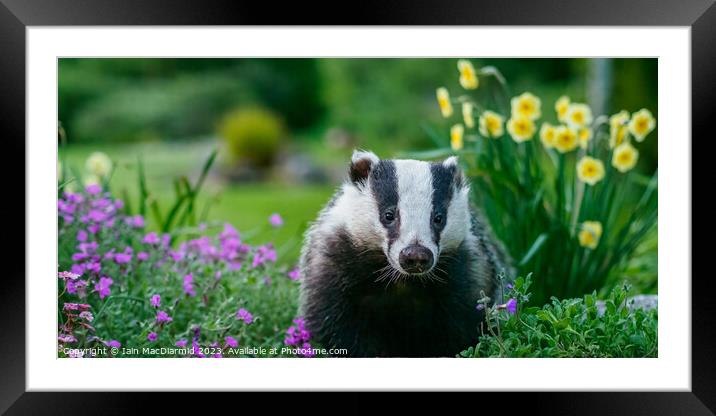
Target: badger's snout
[(416, 259)]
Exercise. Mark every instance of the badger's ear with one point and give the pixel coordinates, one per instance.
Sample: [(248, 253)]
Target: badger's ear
[(362, 163), (452, 164)]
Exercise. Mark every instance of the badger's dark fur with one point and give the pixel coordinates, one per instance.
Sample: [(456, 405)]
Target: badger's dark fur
[(357, 295)]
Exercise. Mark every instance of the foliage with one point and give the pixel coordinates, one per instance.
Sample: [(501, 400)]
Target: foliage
[(252, 135), (566, 207), (211, 295), (109, 99), (568, 328)]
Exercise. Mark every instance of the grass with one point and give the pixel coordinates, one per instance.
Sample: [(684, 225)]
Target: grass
[(242, 205)]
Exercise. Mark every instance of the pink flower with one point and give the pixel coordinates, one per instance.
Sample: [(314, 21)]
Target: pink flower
[(163, 317), (275, 220), (244, 315), (102, 287), (189, 285), (294, 274), (152, 336), (155, 300), (151, 238), (142, 256), (232, 342), (113, 344), (181, 343)]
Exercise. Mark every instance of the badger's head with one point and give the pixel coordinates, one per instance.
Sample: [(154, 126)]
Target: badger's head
[(412, 210)]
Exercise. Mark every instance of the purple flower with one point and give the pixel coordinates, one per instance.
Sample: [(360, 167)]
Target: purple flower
[(189, 285), (75, 306), (155, 300), (232, 342), (294, 274), (151, 238), (67, 338), (68, 275), (509, 286), (163, 317), (244, 315), (81, 236), (181, 343), (93, 189), (196, 348), (118, 204), (480, 306), (142, 256), (275, 220), (136, 221), (297, 334), (122, 258), (93, 267), (511, 306), (152, 336), (264, 254), (113, 344), (76, 287), (87, 316), (102, 287)]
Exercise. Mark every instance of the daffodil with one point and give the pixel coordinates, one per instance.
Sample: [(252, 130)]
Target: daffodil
[(467, 115), (625, 157), (579, 115), (565, 139), (444, 101), (618, 130), (468, 76), (98, 164), (561, 107), (521, 128), (547, 134), (585, 135), (590, 234), (526, 105), (641, 124), (590, 170), (491, 124), (456, 133)]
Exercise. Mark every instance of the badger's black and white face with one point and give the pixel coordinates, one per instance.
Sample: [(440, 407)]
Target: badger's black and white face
[(412, 210)]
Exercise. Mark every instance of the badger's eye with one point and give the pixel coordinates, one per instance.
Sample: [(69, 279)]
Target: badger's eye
[(438, 219), (389, 216)]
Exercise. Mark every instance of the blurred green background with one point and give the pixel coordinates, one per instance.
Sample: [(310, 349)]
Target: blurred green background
[(285, 128)]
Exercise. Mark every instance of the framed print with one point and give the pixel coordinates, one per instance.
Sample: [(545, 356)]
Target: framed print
[(401, 206)]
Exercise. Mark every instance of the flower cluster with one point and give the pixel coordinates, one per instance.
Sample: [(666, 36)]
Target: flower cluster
[(573, 133), (298, 336), (105, 253)]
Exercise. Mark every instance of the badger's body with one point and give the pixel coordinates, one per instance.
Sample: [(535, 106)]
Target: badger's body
[(396, 262)]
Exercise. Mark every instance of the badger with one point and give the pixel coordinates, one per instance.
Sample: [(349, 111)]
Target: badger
[(396, 262)]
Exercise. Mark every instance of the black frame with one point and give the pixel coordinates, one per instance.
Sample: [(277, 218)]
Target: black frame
[(15, 15)]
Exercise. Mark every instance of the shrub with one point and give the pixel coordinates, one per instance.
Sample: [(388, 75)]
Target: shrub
[(569, 207), (124, 287), (567, 328), (252, 135)]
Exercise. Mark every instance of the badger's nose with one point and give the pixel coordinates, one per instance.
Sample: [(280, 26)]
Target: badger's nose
[(416, 259)]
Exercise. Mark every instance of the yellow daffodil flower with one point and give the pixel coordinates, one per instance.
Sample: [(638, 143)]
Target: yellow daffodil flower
[(585, 135), (456, 137), (444, 101), (561, 107), (590, 234), (590, 170), (625, 157), (579, 115), (547, 134), (467, 115), (618, 130), (491, 124), (521, 128), (565, 139), (641, 124), (526, 105), (98, 164), (468, 76)]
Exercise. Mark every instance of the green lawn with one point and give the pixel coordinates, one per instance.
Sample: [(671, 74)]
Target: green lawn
[(246, 206)]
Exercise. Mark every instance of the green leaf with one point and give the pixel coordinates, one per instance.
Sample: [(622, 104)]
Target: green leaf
[(536, 245)]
